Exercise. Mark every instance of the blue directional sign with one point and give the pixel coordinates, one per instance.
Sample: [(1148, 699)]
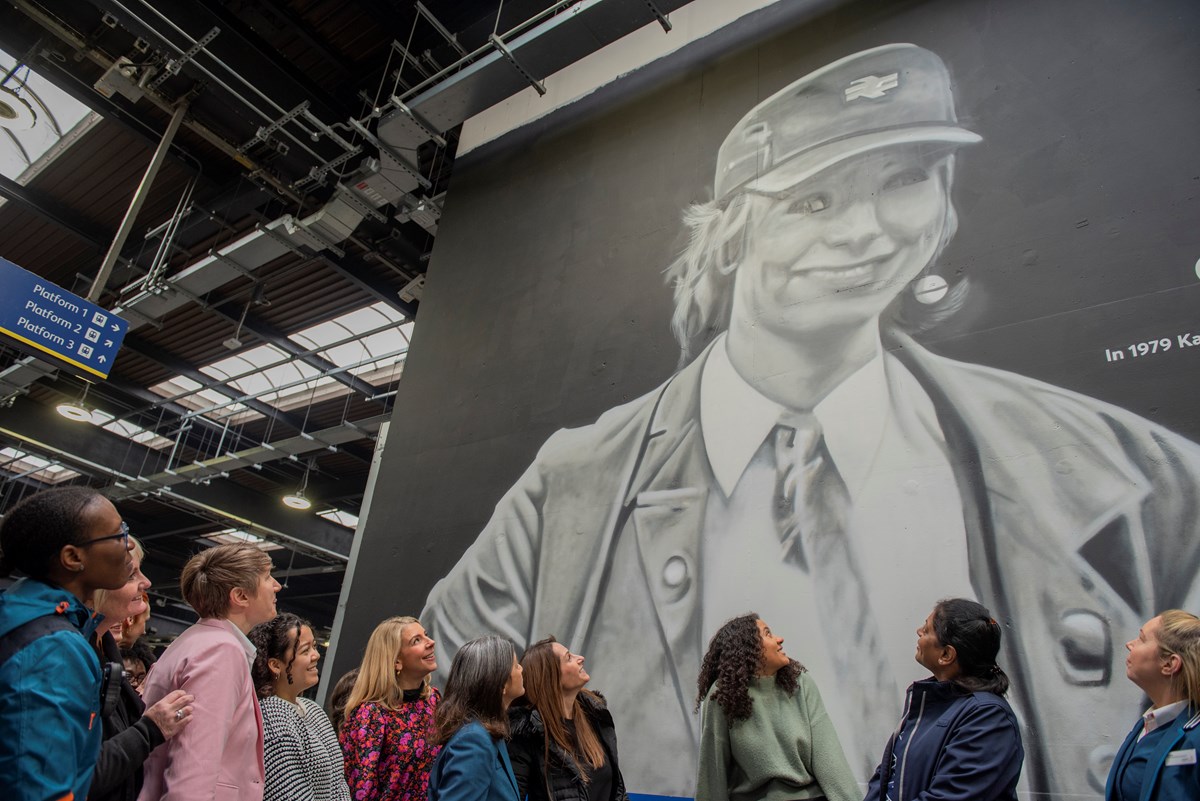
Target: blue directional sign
[(47, 318)]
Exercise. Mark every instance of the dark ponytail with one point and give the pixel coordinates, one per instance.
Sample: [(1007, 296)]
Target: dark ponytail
[(975, 635), (273, 640)]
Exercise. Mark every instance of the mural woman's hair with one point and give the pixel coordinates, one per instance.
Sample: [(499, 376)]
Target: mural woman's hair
[(734, 657), (702, 276)]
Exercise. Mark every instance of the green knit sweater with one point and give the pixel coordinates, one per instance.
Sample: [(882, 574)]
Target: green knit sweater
[(787, 749)]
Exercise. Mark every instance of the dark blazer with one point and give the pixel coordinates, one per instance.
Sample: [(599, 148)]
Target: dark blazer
[(129, 737), (1175, 782), (473, 766), (1070, 505)]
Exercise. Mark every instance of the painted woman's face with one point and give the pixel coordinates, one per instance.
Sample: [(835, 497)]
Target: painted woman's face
[(837, 248)]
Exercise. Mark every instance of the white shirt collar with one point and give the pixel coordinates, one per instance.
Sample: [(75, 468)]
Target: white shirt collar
[(1157, 718), (735, 418), (243, 640)]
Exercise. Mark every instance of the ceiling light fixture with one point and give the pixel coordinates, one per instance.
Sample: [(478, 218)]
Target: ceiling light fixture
[(297, 499), (78, 411), (15, 112)]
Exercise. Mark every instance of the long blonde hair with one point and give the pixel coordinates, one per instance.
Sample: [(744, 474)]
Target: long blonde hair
[(376, 682)]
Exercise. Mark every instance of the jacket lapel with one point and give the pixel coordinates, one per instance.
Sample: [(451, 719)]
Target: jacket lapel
[(666, 502), (1159, 757), (502, 750)]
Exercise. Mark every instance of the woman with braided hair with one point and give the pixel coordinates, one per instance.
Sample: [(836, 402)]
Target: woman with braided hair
[(764, 732), (301, 754), (958, 739)]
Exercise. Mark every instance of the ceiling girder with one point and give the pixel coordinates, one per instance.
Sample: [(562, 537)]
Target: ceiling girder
[(37, 429)]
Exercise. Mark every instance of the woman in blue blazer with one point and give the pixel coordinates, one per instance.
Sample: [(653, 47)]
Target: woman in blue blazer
[(472, 722), (1158, 760)]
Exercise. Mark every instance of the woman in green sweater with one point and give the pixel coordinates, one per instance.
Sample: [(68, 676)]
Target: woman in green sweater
[(765, 735)]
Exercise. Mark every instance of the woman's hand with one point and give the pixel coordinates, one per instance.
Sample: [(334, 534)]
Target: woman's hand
[(172, 713)]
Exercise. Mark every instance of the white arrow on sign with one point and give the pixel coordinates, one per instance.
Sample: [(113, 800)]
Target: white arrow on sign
[(116, 327), (102, 359), (108, 343)]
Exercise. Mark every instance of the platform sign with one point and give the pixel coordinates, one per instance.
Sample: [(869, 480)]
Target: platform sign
[(47, 318)]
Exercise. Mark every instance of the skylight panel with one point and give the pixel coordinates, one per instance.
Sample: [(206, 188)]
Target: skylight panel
[(129, 430), (340, 518), (188, 393), (235, 536), (54, 114), (20, 463)]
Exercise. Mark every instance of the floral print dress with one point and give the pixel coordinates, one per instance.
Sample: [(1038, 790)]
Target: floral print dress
[(389, 752)]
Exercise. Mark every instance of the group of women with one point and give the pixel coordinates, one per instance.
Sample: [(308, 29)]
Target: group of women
[(506, 729)]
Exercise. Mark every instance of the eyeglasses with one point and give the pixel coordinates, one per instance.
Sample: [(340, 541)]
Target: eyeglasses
[(123, 536)]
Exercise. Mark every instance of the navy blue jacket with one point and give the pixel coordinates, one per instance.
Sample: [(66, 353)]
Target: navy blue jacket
[(951, 745), (49, 699), (1177, 781), (473, 766)]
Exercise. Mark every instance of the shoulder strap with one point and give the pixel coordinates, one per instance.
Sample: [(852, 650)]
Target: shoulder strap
[(12, 642)]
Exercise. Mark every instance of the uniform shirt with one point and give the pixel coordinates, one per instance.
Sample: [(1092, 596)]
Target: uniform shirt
[(882, 434)]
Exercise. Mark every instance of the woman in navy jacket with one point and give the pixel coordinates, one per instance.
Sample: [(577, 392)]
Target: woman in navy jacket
[(958, 739), (472, 722), (1158, 760)]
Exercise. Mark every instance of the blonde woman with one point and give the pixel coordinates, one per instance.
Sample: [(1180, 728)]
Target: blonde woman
[(387, 734)]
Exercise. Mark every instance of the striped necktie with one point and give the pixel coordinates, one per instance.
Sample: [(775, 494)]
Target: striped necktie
[(812, 506)]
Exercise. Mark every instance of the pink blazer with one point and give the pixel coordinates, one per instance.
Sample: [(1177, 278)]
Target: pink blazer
[(219, 755)]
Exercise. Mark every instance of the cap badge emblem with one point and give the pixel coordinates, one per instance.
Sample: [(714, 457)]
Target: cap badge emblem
[(872, 86)]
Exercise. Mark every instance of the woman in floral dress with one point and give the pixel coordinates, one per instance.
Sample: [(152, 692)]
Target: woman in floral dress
[(387, 734)]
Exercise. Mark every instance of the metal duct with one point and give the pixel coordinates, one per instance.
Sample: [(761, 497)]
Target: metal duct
[(561, 40)]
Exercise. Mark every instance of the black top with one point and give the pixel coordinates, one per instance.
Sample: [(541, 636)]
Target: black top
[(600, 780), (412, 695)]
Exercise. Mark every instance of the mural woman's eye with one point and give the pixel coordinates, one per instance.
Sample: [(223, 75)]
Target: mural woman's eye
[(808, 205), (909, 177)]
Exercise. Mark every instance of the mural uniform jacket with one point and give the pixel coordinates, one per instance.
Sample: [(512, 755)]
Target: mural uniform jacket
[(951, 745), (557, 779), (1070, 506), (1172, 771), (49, 699), (128, 739)]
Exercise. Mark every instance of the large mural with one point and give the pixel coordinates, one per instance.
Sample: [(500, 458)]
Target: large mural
[(845, 438)]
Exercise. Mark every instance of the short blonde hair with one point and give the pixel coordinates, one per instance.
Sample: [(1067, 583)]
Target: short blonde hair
[(376, 682), (1180, 634), (209, 577)]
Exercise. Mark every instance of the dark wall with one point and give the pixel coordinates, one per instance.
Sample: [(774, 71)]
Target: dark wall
[(547, 303)]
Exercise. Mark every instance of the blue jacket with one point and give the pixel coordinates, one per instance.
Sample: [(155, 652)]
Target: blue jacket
[(951, 745), (1177, 781), (49, 699), (473, 767)]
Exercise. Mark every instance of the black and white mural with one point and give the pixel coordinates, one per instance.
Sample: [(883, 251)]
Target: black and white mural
[(894, 306)]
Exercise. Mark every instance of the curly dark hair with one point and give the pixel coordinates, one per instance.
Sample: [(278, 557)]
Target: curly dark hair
[(733, 658), (275, 639)]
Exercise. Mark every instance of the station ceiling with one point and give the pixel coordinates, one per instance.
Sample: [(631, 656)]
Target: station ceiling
[(273, 275)]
